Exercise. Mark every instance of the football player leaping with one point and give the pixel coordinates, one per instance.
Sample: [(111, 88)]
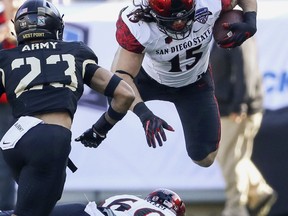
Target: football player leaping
[(164, 55)]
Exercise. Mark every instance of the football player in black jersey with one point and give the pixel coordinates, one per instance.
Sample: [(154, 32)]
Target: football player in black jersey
[(44, 78)]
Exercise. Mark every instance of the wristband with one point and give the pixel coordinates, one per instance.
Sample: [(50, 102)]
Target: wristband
[(250, 18), (114, 114), (142, 111), (102, 126)]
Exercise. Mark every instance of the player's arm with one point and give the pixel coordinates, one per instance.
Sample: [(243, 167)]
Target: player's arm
[(109, 84), (244, 30), (127, 64), (128, 58), (248, 5)]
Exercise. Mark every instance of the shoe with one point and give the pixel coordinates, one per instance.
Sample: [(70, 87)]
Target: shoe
[(264, 205)]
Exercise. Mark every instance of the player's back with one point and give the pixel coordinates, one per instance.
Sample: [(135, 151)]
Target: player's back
[(45, 76), (134, 206)]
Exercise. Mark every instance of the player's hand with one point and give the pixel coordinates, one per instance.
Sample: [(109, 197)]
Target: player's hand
[(91, 138), (153, 125), (240, 31), (154, 128), (237, 117)]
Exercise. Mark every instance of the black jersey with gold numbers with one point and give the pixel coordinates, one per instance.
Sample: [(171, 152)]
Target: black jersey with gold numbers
[(47, 76)]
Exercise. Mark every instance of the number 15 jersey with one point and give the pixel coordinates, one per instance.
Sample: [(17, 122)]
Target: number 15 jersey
[(170, 62)]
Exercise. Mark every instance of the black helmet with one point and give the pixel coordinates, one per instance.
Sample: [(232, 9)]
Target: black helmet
[(168, 199), (38, 19)]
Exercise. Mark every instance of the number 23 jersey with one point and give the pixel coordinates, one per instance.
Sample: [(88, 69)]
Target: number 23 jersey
[(47, 76)]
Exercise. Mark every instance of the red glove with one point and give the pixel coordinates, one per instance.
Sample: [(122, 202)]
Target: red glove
[(153, 125)]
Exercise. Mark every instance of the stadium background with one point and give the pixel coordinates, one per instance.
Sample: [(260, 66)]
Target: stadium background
[(124, 163)]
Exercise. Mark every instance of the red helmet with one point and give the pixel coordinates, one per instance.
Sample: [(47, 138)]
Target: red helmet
[(168, 199), (174, 17)]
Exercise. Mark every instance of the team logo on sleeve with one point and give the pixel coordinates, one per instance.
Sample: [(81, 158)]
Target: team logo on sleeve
[(202, 15), (132, 17)]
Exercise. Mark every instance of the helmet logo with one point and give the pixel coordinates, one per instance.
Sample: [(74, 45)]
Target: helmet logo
[(22, 24), (41, 21), (23, 10), (155, 198)]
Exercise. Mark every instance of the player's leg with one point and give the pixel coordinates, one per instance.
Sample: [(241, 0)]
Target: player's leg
[(198, 112), (229, 156), (261, 196), (44, 154), (7, 184)]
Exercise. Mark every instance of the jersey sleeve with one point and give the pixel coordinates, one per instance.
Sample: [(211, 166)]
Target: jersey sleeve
[(90, 63), (125, 38)]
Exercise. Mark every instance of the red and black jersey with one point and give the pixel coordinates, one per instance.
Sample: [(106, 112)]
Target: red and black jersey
[(47, 76)]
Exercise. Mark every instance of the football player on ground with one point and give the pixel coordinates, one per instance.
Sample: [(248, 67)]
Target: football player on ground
[(164, 55), (44, 78), (162, 202)]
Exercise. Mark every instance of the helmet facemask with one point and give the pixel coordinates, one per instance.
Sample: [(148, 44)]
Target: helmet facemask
[(175, 22)]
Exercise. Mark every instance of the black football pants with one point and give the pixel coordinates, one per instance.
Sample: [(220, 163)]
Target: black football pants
[(38, 164)]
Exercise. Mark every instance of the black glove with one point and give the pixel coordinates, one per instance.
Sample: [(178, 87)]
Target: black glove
[(153, 125), (241, 31), (90, 138), (94, 136)]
